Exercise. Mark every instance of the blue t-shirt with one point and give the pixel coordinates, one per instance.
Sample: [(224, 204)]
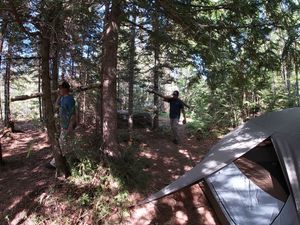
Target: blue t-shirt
[(175, 108), (66, 110)]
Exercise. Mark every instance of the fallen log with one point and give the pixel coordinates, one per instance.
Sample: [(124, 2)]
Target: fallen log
[(162, 96), (36, 95)]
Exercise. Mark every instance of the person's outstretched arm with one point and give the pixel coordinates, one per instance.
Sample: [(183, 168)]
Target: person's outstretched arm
[(160, 95)]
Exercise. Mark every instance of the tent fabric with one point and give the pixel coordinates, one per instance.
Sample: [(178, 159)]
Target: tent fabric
[(227, 150), (287, 146), (262, 167), (288, 215), (262, 178), (242, 201), (234, 145)]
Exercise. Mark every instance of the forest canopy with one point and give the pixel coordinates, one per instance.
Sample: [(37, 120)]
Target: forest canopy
[(229, 59)]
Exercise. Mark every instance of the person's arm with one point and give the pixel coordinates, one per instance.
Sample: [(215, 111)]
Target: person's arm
[(184, 117), (166, 98)]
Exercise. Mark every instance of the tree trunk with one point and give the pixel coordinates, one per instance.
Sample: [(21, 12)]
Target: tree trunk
[(2, 34), (109, 74), (99, 117), (287, 75), (41, 111), (156, 46), (98, 114), (156, 87), (119, 100), (1, 159), (84, 98), (297, 83), (78, 103), (55, 69), (61, 163), (63, 67), (83, 73), (7, 115), (56, 35), (73, 68), (131, 72)]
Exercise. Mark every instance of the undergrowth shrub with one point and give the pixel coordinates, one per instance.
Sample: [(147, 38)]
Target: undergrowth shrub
[(109, 184)]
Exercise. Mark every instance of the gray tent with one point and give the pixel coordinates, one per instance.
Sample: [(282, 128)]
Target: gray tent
[(249, 180)]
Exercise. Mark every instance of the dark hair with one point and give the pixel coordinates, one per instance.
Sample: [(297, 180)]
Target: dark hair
[(176, 93), (64, 84)]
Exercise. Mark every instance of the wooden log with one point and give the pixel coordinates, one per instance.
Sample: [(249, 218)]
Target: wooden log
[(26, 97), (36, 95), (162, 96)]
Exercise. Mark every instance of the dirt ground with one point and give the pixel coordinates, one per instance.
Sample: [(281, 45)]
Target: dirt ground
[(24, 179)]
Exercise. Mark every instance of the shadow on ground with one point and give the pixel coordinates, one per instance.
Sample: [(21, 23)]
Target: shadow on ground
[(24, 180), (168, 162)]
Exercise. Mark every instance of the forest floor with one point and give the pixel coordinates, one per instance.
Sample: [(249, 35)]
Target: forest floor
[(25, 182)]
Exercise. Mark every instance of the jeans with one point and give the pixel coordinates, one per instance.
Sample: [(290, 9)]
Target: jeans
[(65, 143), (174, 128)]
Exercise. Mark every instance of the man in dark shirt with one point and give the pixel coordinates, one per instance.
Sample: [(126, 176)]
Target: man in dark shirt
[(176, 107)]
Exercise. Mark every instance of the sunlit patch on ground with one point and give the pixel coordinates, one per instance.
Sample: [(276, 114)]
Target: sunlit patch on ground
[(185, 207), (181, 217), (38, 200)]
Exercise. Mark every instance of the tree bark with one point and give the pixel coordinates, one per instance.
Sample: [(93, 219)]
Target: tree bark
[(2, 35), (7, 113), (297, 83), (60, 161), (83, 75), (56, 36), (1, 158), (63, 66), (109, 74), (286, 73), (131, 73), (41, 111), (99, 117), (73, 68), (98, 114), (156, 47), (55, 69)]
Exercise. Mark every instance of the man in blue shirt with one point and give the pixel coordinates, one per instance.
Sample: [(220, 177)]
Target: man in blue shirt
[(176, 107), (67, 117)]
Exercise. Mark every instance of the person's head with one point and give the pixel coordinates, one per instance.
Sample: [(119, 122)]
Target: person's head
[(175, 94), (64, 88)]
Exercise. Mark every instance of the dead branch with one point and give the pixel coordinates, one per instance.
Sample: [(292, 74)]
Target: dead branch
[(160, 95), (36, 95)]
